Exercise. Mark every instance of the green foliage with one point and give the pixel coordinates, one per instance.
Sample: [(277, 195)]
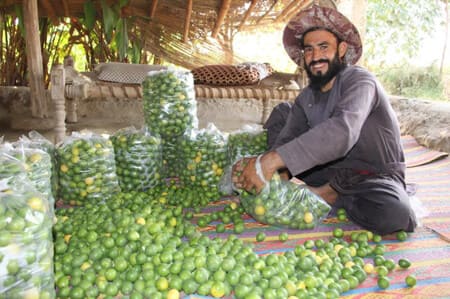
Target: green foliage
[(412, 82), (89, 15), (109, 20), (395, 28), (121, 38)]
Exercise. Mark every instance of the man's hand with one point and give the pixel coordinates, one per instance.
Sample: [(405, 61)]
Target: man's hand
[(244, 174)]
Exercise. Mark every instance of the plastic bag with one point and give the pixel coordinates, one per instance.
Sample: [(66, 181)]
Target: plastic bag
[(138, 156), (170, 108), (205, 156), (284, 203), (36, 164), (86, 169), (172, 163), (39, 141), (248, 141), (26, 244)]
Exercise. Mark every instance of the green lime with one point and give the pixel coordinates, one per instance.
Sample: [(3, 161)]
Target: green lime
[(338, 232), (401, 236), (220, 228), (410, 280), (383, 282), (260, 236), (404, 263), (283, 237)]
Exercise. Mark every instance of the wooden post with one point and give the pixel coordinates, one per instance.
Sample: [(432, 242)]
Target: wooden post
[(34, 59), (57, 94)]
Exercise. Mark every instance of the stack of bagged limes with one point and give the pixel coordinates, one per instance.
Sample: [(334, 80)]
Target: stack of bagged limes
[(26, 244), (138, 155), (170, 110), (87, 169), (205, 156), (248, 141), (283, 203)]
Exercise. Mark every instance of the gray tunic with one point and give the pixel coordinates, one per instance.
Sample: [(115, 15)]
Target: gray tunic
[(353, 127)]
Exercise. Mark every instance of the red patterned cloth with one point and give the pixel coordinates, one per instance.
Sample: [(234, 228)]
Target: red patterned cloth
[(231, 75)]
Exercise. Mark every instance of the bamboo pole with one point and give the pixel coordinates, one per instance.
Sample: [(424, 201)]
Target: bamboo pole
[(153, 8), (34, 59), (247, 14), (187, 22), (288, 10), (221, 17)]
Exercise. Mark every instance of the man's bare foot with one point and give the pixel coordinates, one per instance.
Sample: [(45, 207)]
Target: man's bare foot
[(326, 192)]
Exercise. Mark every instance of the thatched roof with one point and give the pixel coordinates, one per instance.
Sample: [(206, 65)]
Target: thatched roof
[(186, 32)]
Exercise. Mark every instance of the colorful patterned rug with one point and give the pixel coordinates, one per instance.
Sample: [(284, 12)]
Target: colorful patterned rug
[(428, 248), (416, 154)]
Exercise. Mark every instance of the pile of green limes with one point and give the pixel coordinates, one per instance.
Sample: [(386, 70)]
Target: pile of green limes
[(183, 196), (205, 157), (138, 156), (87, 169), (135, 246), (169, 102), (246, 143), (283, 203), (26, 244)]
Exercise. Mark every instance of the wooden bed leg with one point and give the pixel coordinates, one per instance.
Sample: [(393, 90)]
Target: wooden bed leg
[(57, 95), (266, 110), (72, 116)]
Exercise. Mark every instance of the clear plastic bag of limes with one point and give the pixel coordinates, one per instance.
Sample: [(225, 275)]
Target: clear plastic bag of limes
[(205, 158), (35, 163), (86, 169), (247, 141), (26, 244), (170, 108), (138, 155), (286, 204), (37, 141)]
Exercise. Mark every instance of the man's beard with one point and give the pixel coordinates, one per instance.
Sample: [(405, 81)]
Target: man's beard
[(320, 80)]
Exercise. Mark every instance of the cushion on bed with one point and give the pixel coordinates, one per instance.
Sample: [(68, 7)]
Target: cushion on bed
[(124, 72), (231, 75)]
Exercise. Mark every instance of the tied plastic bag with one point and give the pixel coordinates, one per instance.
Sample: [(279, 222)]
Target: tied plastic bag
[(87, 169), (284, 203), (138, 156), (170, 108), (205, 156), (26, 244), (247, 141)]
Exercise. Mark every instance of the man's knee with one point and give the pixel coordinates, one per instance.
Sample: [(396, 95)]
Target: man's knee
[(396, 217), (276, 122), (384, 216)]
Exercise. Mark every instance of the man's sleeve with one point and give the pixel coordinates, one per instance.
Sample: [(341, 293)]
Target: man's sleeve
[(296, 124), (333, 138)]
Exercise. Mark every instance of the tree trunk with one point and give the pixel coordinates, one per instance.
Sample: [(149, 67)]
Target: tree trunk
[(34, 59)]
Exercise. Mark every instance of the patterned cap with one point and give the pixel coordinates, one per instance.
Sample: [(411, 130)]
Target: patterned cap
[(323, 17)]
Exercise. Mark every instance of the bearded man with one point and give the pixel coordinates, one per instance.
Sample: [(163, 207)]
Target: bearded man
[(341, 136)]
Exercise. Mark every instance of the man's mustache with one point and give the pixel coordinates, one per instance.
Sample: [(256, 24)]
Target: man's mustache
[(318, 61)]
